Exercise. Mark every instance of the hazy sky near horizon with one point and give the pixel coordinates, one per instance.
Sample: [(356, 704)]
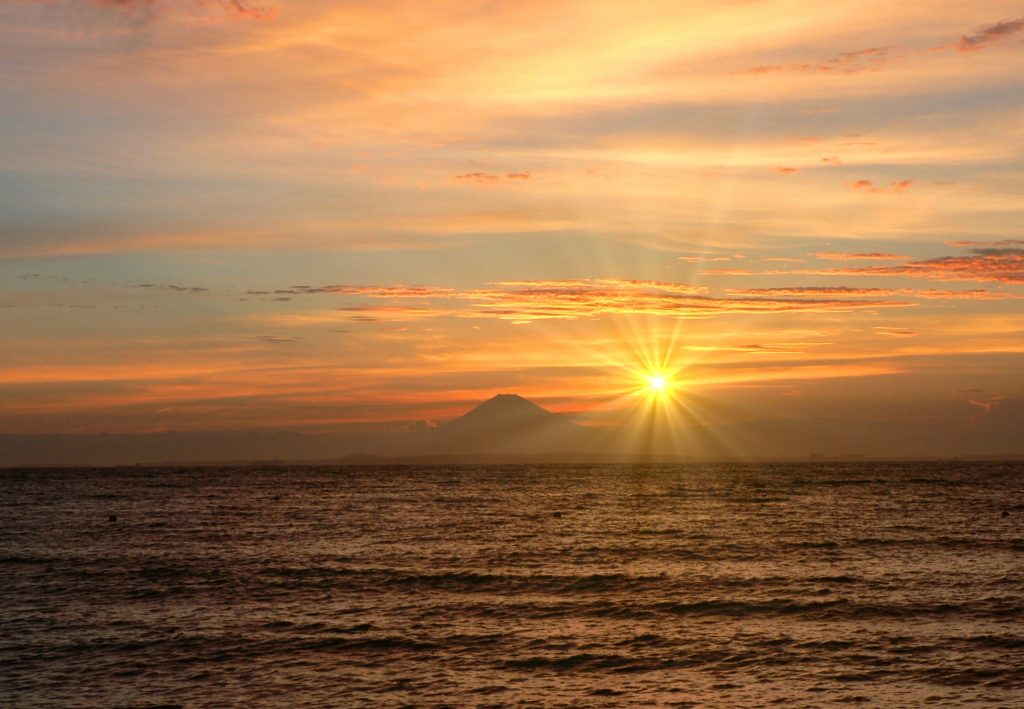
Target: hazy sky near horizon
[(233, 214)]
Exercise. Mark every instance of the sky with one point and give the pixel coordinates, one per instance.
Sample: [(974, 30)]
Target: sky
[(235, 214)]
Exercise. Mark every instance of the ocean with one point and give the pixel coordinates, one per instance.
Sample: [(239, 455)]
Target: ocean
[(811, 584)]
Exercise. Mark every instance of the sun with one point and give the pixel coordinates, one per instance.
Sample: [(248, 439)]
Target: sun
[(656, 378), (657, 383)]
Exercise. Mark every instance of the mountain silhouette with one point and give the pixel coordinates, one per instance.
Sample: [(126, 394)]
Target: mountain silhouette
[(507, 423), (503, 410)]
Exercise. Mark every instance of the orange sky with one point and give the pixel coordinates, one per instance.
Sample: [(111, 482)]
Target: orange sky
[(221, 215)]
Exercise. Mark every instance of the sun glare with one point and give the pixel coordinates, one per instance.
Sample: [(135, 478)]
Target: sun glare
[(657, 383), (657, 386), (655, 374)]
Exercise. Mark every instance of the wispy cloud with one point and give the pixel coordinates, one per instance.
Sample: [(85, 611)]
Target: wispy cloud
[(999, 264), (863, 256), (486, 178), (852, 292), (172, 287), (990, 244), (1002, 265), (895, 332), (753, 348), (705, 259), (276, 339), (385, 313), (146, 10), (395, 291), (482, 178), (989, 34), (869, 186), (527, 301), (854, 62), (539, 303), (875, 58), (612, 284)]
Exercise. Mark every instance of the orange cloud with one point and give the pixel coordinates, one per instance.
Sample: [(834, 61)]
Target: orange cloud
[(869, 186), (571, 304), (833, 291), (874, 58), (526, 301), (787, 170), (843, 63), (868, 256), (986, 264), (736, 272), (895, 332), (485, 178), (617, 283), (1002, 242), (482, 178), (385, 313), (396, 291), (1003, 265), (753, 348), (703, 259), (590, 298)]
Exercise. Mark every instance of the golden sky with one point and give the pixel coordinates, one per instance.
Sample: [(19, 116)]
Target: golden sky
[(223, 214)]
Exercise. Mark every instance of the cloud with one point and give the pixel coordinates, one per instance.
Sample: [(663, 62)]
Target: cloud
[(482, 178), (591, 299), (704, 259), (614, 283), (995, 264), (174, 288), (486, 178), (985, 406), (237, 8), (385, 313), (869, 59), (787, 170), (895, 332), (572, 299), (813, 291), (144, 11), (990, 34), (869, 186), (275, 340), (1003, 242), (1001, 265), (395, 291), (582, 298), (868, 256), (875, 58), (754, 348), (847, 291), (738, 272)]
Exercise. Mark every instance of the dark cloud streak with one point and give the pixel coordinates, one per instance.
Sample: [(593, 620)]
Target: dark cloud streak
[(989, 34)]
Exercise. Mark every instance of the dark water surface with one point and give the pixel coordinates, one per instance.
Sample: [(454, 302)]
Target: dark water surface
[(699, 585)]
